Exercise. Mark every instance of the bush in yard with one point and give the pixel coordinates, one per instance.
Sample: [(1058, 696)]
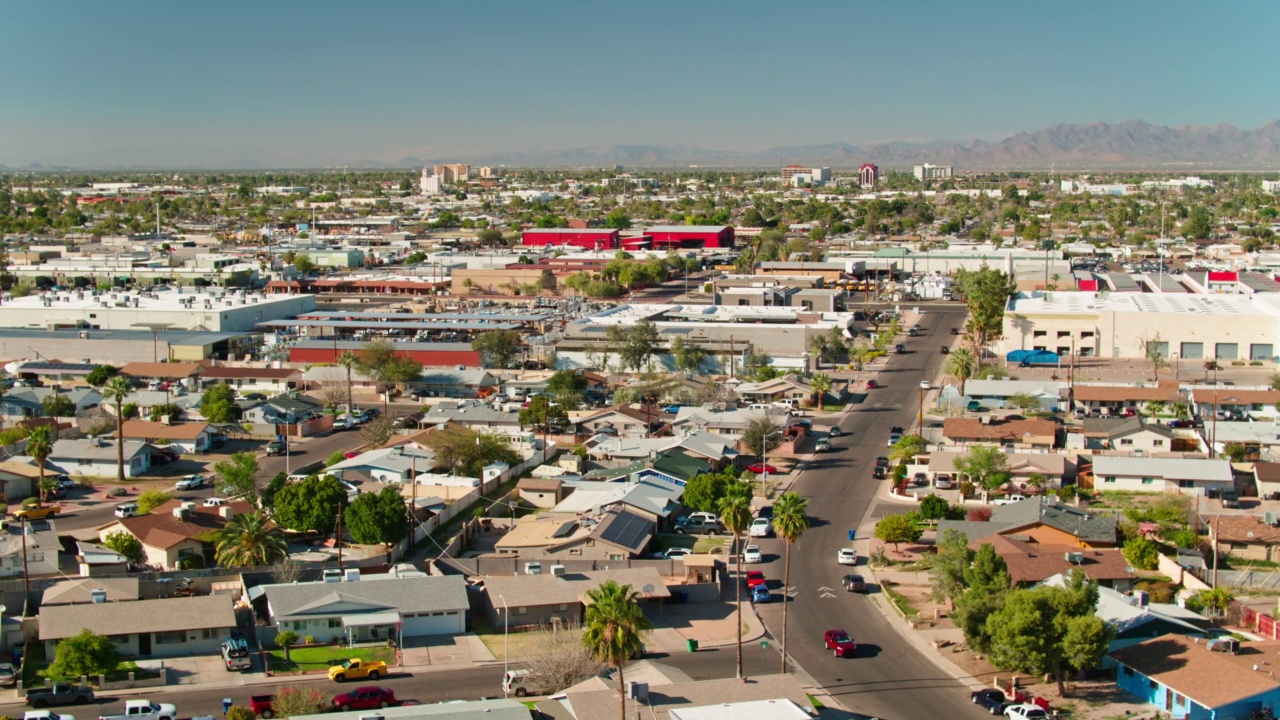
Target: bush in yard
[(291, 701), (149, 500), (86, 653), (124, 543), (897, 529), (934, 507), (1141, 553), (334, 459), (979, 514), (237, 712)]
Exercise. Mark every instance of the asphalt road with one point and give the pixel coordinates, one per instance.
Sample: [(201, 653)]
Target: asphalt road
[(469, 683), (889, 678)]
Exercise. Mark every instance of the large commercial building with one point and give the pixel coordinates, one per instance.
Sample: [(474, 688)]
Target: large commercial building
[(118, 347), (593, 239), (430, 354), (868, 175), (690, 236), (455, 172), (211, 310), (932, 172)]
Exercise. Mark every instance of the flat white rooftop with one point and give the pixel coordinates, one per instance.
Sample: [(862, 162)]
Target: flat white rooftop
[(1090, 303), (159, 301)]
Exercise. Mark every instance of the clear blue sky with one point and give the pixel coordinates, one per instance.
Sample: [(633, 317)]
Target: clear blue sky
[(324, 82)]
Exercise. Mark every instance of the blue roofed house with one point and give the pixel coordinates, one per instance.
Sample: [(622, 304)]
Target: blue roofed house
[(1197, 679)]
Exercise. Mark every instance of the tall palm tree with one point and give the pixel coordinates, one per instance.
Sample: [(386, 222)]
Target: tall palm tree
[(615, 625), (40, 446), (961, 364), (821, 384), (250, 540), (116, 390), (735, 515), (349, 360), (789, 523)]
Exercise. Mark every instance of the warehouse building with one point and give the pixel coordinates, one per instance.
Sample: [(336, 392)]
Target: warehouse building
[(691, 236), (428, 353), (588, 239), (202, 311), (117, 347)]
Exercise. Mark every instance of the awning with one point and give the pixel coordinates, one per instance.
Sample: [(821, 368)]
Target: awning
[(382, 618)]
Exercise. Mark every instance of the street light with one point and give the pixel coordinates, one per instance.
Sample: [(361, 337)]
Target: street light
[(764, 453), (924, 385), (506, 630)]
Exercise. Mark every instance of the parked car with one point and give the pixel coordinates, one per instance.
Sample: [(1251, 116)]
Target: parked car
[(672, 409), (59, 694), (38, 512), (679, 552), (190, 482), (1230, 499), (698, 527), (760, 527), (355, 669), (846, 556), (761, 594), (882, 461), (519, 683), (261, 706), (919, 479), (855, 583), (275, 447), (942, 482), (991, 699), (762, 468), (765, 511), (1010, 499), (839, 642), (974, 406), (754, 578), (8, 676), (1026, 711), (364, 698), (144, 710), (751, 554), (1181, 423)]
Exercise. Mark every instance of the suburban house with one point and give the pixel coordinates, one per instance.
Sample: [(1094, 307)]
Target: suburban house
[(497, 709), (470, 413), (368, 608), (554, 597), (250, 379), (18, 479), (725, 423), (190, 438), (718, 451), (658, 502), (88, 590), (172, 371), (1247, 537), (96, 457), (1033, 562), (1051, 394), (396, 464), (763, 697), (616, 535), (1052, 468), (1266, 476), (29, 402), (284, 410), (96, 560), (451, 382), (787, 387), (621, 421), (165, 627), (607, 448), (1041, 520), (1236, 401), (541, 492), (1260, 439), (1189, 476), (1135, 619), (146, 400), (1021, 433), (1129, 435), (1096, 398), (42, 549), (1199, 678), (176, 530)]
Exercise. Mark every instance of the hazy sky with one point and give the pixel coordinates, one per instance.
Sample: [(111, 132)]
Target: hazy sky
[(323, 82)]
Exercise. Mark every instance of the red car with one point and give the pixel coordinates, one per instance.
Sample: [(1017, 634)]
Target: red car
[(350, 454), (872, 385), (762, 468), (839, 642), (754, 578), (365, 698)]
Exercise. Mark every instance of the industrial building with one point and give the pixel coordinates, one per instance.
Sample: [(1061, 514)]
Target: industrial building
[(587, 239), (118, 347), (212, 310), (690, 236), (428, 353)]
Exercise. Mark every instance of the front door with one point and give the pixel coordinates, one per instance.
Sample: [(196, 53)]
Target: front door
[(144, 644)]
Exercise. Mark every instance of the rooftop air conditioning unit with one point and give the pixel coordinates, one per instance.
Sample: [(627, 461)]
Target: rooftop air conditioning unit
[(1141, 598), (351, 575), (98, 596), (1074, 558), (332, 575), (533, 568), (557, 570), (638, 690)]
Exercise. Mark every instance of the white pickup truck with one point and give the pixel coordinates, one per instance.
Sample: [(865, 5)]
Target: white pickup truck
[(1009, 500), (144, 710)]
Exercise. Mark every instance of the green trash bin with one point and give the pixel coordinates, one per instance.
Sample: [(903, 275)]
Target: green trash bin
[(691, 645)]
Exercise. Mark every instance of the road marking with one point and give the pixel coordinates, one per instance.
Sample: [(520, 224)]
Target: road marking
[(824, 589), (792, 591), (827, 595)]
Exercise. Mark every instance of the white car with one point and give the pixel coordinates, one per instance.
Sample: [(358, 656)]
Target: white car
[(1026, 711), (214, 502), (751, 554), (846, 556), (190, 482), (673, 553), (760, 528)]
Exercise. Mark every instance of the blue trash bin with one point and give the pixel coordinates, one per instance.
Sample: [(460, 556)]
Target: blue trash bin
[(850, 536)]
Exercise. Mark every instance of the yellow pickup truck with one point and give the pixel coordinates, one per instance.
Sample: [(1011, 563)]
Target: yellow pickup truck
[(38, 512), (355, 669)]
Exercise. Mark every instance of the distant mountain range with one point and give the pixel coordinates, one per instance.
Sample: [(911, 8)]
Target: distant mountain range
[(1132, 145)]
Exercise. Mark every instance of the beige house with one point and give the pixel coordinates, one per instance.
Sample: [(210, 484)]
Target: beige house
[(615, 535), (175, 530), (1247, 536), (1020, 433), (165, 627), (536, 600), (541, 492)]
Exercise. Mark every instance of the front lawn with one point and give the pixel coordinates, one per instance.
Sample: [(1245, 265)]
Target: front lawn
[(322, 657)]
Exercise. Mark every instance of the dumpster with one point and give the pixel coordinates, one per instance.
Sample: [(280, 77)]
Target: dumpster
[(691, 645)]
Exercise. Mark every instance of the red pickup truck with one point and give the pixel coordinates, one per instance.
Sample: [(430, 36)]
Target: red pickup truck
[(261, 705)]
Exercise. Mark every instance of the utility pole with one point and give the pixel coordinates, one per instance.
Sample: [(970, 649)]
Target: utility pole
[(338, 537), (25, 587), (1214, 537), (920, 414)]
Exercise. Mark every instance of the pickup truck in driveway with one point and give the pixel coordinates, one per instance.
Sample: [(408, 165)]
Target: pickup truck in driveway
[(59, 694), (144, 710), (355, 669)]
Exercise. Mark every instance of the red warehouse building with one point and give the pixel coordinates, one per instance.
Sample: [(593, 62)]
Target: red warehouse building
[(428, 353), (691, 236), (587, 239)]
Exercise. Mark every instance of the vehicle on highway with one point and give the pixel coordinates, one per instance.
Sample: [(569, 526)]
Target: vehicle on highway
[(364, 698), (59, 694), (1025, 711), (854, 583), (355, 668), (144, 710), (214, 502), (846, 556), (761, 594), (990, 698), (839, 642), (751, 554), (872, 385), (762, 468), (190, 482), (760, 527), (755, 578), (879, 473), (946, 349), (900, 348), (882, 461), (893, 439), (955, 331), (823, 445)]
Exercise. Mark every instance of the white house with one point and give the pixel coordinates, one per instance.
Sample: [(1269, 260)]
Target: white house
[(96, 457), (1189, 476)]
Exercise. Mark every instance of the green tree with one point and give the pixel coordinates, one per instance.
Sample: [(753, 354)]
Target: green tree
[(986, 580), (821, 384), (380, 360), (465, 452), (761, 434), (1235, 452), (149, 500), (84, 654), (636, 344), (218, 404), (1141, 553), (39, 446), (934, 507), (1085, 642), (688, 355), (489, 237), (1023, 401), (907, 447), (267, 495), (1029, 632), (304, 265), (497, 349), (946, 566), (986, 292), (564, 382), (898, 529), (615, 628), (124, 543), (735, 515), (284, 640), (1216, 600), (46, 487), (250, 540), (985, 466), (1198, 225), (703, 491), (374, 518), (542, 413), (790, 522), (617, 220), (101, 374), (57, 405), (239, 712), (239, 476), (310, 505)]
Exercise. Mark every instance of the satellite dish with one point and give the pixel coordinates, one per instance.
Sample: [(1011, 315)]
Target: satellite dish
[(647, 589)]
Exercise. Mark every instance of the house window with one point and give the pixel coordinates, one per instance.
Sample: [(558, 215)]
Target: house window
[(1148, 481), (1186, 484), (1157, 443), (171, 638), (119, 639), (522, 611), (1178, 699), (209, 634), (575, 551), (1109, 480), (615, 556), (452, 612), (562, 608), (335, 622), (1126, 442)]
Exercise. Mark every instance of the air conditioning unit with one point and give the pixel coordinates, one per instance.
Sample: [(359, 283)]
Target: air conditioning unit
[(1075, 558), (638, 690), (557, 570), (533, 568)]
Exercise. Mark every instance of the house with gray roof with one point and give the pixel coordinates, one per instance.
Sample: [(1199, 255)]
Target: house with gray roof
[(1129, 435), (659, 502), (547, 597), (368, 608), (29, 402), (1041, 520), (164, 627), (86, 590), (1051, 394), (96, 457), (450, 382), (469, 413), (1189, 476)]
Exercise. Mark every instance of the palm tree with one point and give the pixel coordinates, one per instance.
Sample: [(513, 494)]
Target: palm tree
[(821, 384), (789, 522), (47, 486), (39, 447), (614, 629), (116, 390), (735, 514), (250, 540), (349, 360), (961, 364)]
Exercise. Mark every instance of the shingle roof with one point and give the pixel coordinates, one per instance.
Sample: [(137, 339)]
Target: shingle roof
[(547, 589), (1233, 396), (162, 371), (1212, 679), (1245, 529), (1194, 469), (69, 592), (141, 616), (1267, 471), (406, 595), (144, 430), (1011, 430), (1091, 527), (539, 484), (1033, 562), (160, 529), (222, 372)]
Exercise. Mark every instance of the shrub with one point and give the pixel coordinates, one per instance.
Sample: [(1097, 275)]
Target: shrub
[(979, 514), (334, 459), (1141, 553), (236, 712)]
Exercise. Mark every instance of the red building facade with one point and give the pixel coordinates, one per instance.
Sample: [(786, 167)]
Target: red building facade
[(587, 239), (691, 236)]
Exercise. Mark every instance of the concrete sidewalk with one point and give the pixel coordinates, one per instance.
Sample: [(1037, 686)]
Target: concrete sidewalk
[(711, 624)]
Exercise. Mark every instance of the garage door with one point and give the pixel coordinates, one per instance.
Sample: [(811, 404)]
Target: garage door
[(427, 624)]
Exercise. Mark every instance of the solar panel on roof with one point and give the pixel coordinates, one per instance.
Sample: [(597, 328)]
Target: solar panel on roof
[(626, 529), (565, 529)]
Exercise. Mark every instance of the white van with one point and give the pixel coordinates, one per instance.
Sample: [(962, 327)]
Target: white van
[(127, 510), (516, 682)]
